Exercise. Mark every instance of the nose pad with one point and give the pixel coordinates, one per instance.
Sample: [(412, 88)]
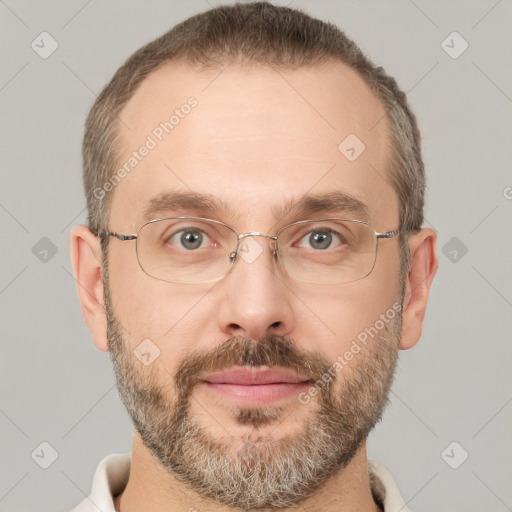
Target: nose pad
[(234, 255), (275, 251)]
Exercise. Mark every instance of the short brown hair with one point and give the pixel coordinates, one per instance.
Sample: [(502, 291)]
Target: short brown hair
[(253, 33)]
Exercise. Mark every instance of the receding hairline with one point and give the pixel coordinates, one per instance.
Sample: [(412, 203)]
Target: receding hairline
[(215, 69)]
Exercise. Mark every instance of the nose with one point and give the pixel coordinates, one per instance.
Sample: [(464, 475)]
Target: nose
[(256, 299)]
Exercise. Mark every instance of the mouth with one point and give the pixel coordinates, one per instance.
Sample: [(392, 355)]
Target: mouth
[(255, 387)]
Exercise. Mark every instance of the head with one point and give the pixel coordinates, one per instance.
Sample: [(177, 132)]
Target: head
[(242, 111)]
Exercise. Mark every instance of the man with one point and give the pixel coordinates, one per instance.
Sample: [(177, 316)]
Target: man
[(254, 260)]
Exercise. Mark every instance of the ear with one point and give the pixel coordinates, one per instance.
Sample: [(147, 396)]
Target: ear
[(423, 249), (86, 262)]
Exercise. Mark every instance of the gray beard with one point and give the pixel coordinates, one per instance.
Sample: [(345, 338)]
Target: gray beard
[(255, 471)]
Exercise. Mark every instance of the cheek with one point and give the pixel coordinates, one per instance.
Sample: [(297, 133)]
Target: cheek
[(167, 314), (345, 312)]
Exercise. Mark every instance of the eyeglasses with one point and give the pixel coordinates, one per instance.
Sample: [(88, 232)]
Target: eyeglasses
[(196, 250)]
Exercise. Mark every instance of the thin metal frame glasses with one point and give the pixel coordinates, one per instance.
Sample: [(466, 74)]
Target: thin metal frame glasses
[(300, 248)]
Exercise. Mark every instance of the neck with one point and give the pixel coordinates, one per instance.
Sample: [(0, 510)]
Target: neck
[(153, 489)]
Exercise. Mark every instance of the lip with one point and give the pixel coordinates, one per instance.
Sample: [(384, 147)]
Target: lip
[(247, 377), (253, 387)]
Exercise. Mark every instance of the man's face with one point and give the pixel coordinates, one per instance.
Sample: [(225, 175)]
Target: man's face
[(257, 139)]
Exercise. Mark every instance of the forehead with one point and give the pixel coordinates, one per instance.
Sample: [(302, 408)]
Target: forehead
[(255, 138)]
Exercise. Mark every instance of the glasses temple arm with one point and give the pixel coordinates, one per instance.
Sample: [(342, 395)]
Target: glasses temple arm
[(388, 234), (123, 238)]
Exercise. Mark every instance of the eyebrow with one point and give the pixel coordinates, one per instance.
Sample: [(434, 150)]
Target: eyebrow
[(334, 202), (330, 202)]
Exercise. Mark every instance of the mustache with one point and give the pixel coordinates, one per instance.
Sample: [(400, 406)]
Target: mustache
[(273, 351)]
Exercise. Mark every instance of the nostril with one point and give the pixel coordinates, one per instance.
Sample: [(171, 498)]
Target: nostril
[(275, 324)]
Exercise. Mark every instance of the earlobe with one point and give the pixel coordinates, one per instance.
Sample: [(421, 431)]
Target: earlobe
[(423, 268), (86, 262)]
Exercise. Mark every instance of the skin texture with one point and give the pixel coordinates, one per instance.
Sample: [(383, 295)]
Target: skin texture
[(257, 138)]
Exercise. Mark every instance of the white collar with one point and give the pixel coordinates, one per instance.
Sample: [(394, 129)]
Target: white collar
[(113, 471)]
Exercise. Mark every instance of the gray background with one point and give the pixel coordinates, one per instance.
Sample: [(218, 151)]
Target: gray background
[(454, 386)]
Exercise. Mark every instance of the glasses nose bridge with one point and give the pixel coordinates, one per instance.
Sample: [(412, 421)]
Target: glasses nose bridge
[(243, 236), (256, 233)]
